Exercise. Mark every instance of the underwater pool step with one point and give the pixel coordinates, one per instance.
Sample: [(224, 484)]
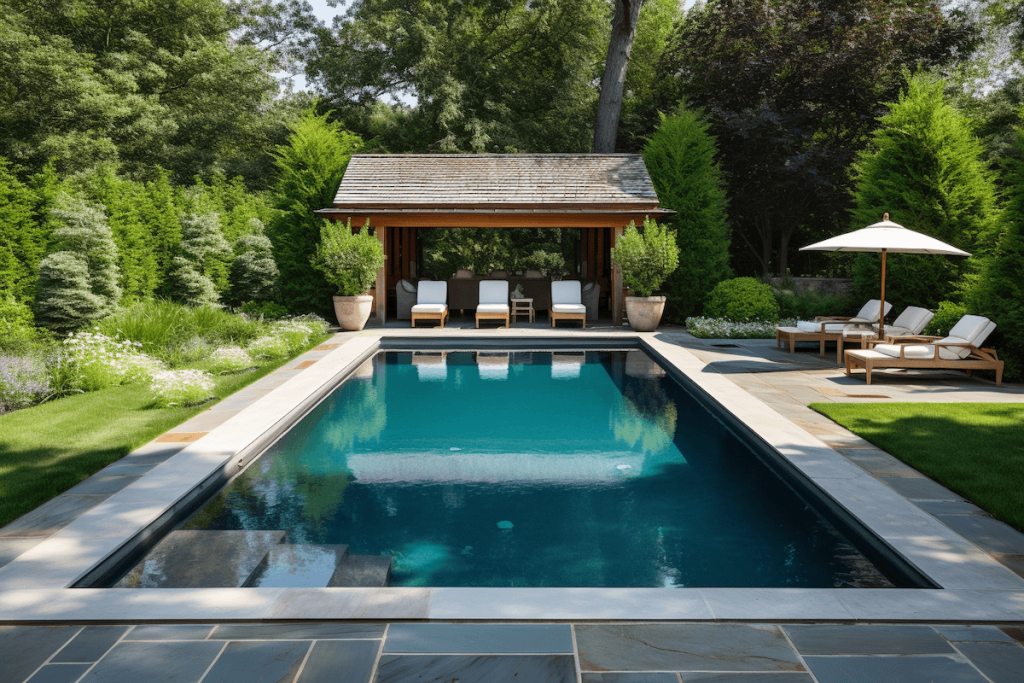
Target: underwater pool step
[(294, 566), (194, 558), (362, 571)]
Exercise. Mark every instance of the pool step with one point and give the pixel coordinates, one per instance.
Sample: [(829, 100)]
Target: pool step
[(364, 571), (195, 558), (296, 566)]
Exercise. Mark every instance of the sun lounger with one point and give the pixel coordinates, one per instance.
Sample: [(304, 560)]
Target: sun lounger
[(961, 350), (567, 302), (431, 302), (493, 301), (829, 328), (911, 322)]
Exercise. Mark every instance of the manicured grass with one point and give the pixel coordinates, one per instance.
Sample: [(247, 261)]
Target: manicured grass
[(975, 449), (47, 449)]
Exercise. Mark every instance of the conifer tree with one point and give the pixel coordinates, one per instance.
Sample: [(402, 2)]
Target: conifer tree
[(78, 279), (680, 157), (311, 166), (254, 272), (201, 263), (162, 209), (924, 167), (19, 233), (137, 263)]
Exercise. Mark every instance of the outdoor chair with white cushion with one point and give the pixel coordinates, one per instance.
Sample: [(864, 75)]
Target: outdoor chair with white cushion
[(910, 323), (493, 301), (829, 328), (567, 302), (431, 302), (961, 350)]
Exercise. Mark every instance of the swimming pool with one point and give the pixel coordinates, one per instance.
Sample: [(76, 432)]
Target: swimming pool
[(514, 469)]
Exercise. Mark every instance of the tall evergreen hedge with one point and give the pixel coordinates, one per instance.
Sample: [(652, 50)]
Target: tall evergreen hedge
[(680, 157), (924, 167), (311, 167)]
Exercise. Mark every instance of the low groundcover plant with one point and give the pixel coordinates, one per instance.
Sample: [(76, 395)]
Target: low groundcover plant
[(720, 328), (229, 359), (181, 387)]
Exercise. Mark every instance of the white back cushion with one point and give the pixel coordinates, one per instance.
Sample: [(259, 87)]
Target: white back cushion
[(913, 318), (566, 292), (869, 311), (494, 292), (432, 292), (969, 327)]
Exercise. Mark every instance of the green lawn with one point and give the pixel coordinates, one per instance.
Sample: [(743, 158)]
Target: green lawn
[(975, 449), (47, 449)]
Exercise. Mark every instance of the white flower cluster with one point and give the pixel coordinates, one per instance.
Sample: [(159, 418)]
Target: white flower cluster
[(295, 333), (181, 387), (104, 361), (229, 359), (269, 347), (720, 328)]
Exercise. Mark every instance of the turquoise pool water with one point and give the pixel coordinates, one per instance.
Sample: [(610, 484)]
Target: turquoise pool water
[(535, 469)]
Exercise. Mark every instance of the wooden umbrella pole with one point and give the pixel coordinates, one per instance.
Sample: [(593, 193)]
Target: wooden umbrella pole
[(881, 313)]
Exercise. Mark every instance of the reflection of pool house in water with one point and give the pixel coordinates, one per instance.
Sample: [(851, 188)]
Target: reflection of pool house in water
[(418, 471), (598, 194)]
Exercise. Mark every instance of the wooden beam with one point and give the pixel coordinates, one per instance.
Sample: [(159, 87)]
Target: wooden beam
[(616, 287), (491, 220), (382, 278)]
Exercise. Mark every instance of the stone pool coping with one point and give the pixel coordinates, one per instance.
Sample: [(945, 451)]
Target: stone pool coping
[(35, 586)]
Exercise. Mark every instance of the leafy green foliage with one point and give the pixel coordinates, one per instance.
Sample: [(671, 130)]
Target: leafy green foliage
[(947, 315), (253, 272), (488, 75), (680, 157), (742, 300), (202, 264), (445, 250), (348, 260), (311, 166), (20, 236), (646, 258), (78, 280), (810, 304), (924, 168)]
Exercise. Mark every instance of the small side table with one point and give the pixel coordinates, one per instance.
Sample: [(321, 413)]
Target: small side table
[(522, 307)]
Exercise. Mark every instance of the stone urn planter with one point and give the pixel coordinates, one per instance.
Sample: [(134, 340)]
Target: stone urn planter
[(353, 311), (644, 312)]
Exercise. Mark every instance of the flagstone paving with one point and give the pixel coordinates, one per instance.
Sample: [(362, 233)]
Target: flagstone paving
[(510, 653)]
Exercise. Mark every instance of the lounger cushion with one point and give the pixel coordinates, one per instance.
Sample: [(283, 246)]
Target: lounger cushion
[(568, 308), (816, 327), (924, 351), (492, 308), (869, 311), (913, 318), (429, 308), (566, 292), (432, 292), (493, 292), (969, 327), (980, 339)]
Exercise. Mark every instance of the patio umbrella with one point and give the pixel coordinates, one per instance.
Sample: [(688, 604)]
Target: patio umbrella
[(884, 237)]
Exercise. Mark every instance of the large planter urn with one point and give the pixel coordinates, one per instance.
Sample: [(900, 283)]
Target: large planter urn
[(644, 312), (353, 311)]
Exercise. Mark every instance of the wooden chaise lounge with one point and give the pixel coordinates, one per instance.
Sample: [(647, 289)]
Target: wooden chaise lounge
[(961, 350), (829, 328)]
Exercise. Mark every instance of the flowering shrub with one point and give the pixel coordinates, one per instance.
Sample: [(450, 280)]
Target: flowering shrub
[(23, 382), (269, 347), (229, 359), (103, 361), (720, 328), (181, 387), (294, 333)]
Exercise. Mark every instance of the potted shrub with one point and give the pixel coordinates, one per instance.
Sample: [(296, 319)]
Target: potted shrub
[(349, 262), (646, 259)]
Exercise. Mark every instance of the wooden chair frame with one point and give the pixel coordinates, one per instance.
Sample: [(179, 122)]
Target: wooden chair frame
[(493, 316), (430, 315), (582, 317), (978, 359)]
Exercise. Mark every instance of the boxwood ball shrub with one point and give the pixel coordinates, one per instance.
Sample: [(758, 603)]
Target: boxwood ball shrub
[(348, 261), (647, 257), (742, 300)]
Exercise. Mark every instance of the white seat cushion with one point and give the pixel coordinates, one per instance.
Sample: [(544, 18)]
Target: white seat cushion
[(492, 308), (566, 292), (493, 292), (807, 326), (432, 292), (969, 327), (924, 351), (568, 308), (429, 308), (790, 330)]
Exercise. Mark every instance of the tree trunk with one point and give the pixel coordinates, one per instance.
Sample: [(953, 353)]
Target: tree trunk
[(610, 105), (784, 236)]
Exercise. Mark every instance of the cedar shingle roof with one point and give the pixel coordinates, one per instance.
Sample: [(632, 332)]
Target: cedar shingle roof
[(575, 182)]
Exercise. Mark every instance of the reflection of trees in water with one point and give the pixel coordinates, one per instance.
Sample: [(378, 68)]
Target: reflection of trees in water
[(300, 482), (646, 415)]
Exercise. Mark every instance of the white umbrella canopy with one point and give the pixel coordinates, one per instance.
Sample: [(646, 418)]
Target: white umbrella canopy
[(883, 237)]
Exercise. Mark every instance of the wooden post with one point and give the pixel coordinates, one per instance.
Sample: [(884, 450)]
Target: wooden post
[(382, 279), (616, 282), (881, 319)]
